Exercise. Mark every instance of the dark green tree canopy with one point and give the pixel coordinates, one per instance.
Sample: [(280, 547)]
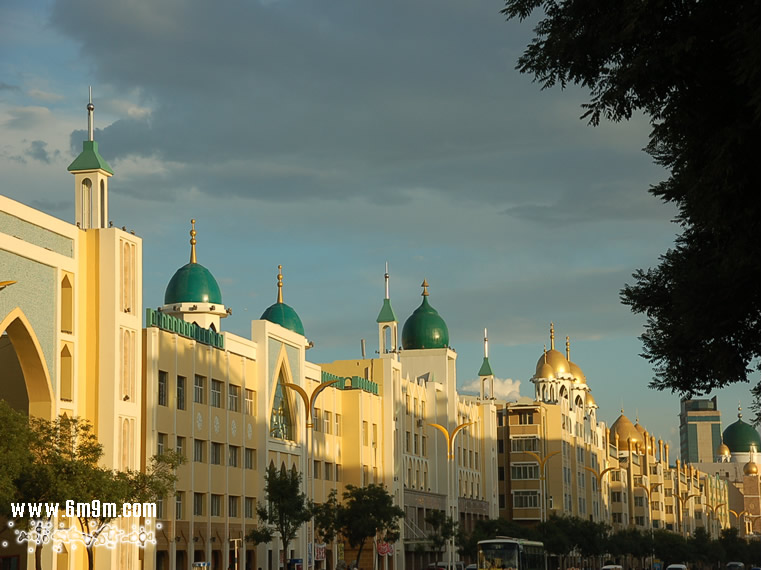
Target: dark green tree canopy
[(692, 66)]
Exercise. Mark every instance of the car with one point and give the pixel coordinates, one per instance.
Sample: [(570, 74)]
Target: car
[(611, 567), (471, 567), (735, 566), (677, 567)]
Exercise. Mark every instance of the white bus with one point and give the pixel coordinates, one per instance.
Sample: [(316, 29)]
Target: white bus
[(503, 553)]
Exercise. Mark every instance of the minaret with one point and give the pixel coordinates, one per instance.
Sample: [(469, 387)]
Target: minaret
[(91, 173), (485, 373), (387, 323)]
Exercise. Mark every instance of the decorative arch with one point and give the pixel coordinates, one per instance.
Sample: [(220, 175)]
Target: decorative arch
[(33, 367), (282, 422)]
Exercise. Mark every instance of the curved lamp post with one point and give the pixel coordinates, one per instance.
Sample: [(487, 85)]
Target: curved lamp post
[(451, 482), (543, 490), (309, 403), (682, 507)]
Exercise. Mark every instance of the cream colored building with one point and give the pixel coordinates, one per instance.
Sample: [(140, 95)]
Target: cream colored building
[(70, 320)]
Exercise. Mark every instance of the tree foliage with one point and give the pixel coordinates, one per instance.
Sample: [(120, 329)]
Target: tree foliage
[(693, 68), (285, 508), (443, 528)]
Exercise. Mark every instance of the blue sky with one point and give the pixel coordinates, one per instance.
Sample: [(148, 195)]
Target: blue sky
[(333, 137)]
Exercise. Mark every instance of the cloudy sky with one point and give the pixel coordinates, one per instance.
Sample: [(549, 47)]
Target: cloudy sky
[(331, 137)]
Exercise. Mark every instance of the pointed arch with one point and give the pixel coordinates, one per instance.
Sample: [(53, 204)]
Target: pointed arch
[(33, 366), (282, 402)]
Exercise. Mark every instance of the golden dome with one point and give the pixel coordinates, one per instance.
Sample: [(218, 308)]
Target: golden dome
[(626, 431), (557, 362), (590, 401), (750, 469), (544, 370), (723, 450), (576, 371)]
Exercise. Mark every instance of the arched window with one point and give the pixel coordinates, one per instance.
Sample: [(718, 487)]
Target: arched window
[(103, 204), (87, 203), (67, 305), (67, 373), (281, 418)]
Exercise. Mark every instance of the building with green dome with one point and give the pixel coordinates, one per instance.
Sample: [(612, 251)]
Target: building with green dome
[(425, 328), (282, 314)]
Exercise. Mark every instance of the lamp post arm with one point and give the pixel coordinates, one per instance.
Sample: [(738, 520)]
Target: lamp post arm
[(299, 390), (447, 437)]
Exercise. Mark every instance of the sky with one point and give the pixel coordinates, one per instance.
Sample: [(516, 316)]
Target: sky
[(332, 137)]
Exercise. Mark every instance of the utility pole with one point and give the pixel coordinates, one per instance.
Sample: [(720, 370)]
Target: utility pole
[(236, 542)]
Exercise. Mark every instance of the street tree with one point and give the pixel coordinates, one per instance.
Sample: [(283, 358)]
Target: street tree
[(692, 67), (443, 528), (14, 449), (368, 512), (285, 509)]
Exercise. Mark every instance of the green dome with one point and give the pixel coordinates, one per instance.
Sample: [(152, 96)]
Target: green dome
[(739, 437), (192, 283), (425, 329), (283, 315)]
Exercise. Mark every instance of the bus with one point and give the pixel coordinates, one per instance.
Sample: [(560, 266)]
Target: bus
[(503, 553)]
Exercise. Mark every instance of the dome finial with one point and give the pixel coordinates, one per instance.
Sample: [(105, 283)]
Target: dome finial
[(425, 286), (568, 346), (386, 281), (193, 241), (740, 415), (552, 337), (280, 284), (486, 345), (90, 109), (545, 352)]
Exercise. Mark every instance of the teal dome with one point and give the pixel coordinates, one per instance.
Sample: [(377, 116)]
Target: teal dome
[(283, 315), (425, 328), (192, 283), (740, 436)]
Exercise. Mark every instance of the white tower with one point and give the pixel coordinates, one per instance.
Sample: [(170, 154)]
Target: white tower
[(387, 324)]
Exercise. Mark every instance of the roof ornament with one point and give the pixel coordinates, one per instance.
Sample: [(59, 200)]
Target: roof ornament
[(193, 241), (425, 286), (386, 281), (568, 353), (552, 337), (90, 109), (280, 284), (739, 410), (486, 345), (545, 352)]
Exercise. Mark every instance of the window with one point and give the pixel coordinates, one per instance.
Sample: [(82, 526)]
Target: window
[(338, 472), (501, 501), (616, 518), (415, 443), (669, 509), (160, 509), (179, 496), (616, 496), (667, 492), (500, 446), (317, 419), (581, 505), (198, 504), (526, 499), (525, 471), (365, 433), (248, 507), (215, 453), (616, 476), (316, 469), (524, 444), (198, 450), (233, 503), (161, 443), (526, 418), (216, 506), (639, 501), (180, 445), (423, 445), (250, 458), (215, 395), (655, 506), (233, 452), (234, 398), (181, 392), (407, 442), (374, 438), (328, 471), (327, 420), (163, 396), (500, 416), (337, 431), (640, 521), (249, 402), (501, 473), (199, 387)]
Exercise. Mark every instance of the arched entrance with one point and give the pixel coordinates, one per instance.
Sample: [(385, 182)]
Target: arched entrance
[(25, 381)]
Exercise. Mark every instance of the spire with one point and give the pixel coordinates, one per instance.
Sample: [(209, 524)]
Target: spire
[(90, 109), (545, 353), (552, 337), (280, 284), (386, 281), (425, 286), (486, 369), (193, 241), (486, 344), (386, 315), (568, 351)]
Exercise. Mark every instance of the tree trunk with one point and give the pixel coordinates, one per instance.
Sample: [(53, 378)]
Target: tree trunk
[(90, 557), (38, 556)]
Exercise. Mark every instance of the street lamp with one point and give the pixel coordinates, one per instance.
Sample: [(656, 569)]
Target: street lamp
[(740, 516), (309, 403), (543, 490), (682, 507), (451, 482)]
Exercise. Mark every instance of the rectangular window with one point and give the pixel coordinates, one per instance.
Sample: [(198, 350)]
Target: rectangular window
[(250, 458), (328, 471), (316, 469), (655, 505), (317, 418), (338, 472), (639, 501), (415, 443), (669, 509), (215, 453), (327, 422), (374, 438), (365, 433), (500, 446), (616, 476), (524, 444), (198, 450), (180, 445), (501, 473), (234, 398), (423, 445), (337, 431), (640, 521), (616, 496), (249, 402), (581, 505), (198, 504), (216, 506), (163, 396), (179, 496), (500, 417), (233, 503), (181, 392), (407, 442), (199, 389), (160, 509), (161, 443), (501, 501), (526, 418), (215, 394), (233, 452), (668, 492), (526, 499), (248, 506), (525, 471), (616, 517)]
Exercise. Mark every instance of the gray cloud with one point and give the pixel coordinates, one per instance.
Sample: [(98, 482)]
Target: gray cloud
[(27, 118), (8, 87), (38, 151)]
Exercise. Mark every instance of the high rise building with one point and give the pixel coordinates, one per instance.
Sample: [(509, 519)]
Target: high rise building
[(700, 430)]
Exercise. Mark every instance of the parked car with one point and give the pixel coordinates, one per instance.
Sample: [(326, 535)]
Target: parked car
[(677, 567)]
